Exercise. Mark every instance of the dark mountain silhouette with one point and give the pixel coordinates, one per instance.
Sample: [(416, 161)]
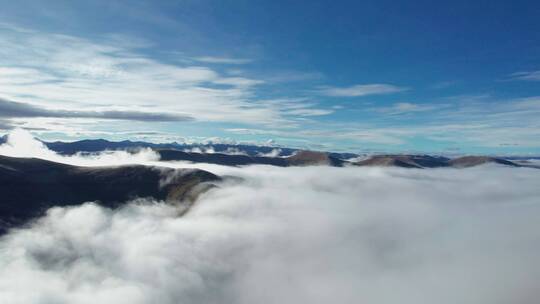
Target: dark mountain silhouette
[(253, 154), (527, 162), (386, 161), (98, 145), (312, 158), (405, 161), (239, 155), (471, 161), (219, 158), (30, 186), (300, 158), (427, 161)]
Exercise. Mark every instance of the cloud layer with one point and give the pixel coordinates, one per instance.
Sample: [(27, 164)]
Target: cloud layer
[(11, 109), (294, 235), (115, 78), (222, 60), (362, 90)]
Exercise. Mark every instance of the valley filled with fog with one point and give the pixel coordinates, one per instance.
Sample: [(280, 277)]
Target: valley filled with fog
[(286, 235)]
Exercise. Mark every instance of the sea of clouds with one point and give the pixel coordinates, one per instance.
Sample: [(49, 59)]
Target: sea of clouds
[(290, 235)]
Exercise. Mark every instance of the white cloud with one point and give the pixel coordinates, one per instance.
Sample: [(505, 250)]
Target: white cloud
[(344, 235), (11, 109), (21, 143), (274, 153), (68, 73), (529, 75), (222, 60), (302, 107), (407, 107), (361, 134), (362, 90), (462, 121), (239, 81)]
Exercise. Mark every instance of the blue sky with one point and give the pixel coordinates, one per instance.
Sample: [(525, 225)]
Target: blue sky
[(356, 76)]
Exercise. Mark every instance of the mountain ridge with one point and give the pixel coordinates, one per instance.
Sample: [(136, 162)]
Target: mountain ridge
[(239, 155), (30, 186)]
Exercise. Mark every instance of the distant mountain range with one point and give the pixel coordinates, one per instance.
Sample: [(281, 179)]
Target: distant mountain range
[(30, 186), (98, 145), (299, 158), (238, 155)]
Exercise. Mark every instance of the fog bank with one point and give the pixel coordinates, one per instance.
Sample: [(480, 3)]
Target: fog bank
[(294, 235)]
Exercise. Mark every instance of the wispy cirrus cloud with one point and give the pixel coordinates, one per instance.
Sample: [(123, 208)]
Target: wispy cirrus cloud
[(528, 75), (301, 107), (478, 121), (75, 76), (222, 60), (408, 107), (361, 90)]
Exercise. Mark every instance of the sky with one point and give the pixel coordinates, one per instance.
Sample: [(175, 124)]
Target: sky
[(355, 76)]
